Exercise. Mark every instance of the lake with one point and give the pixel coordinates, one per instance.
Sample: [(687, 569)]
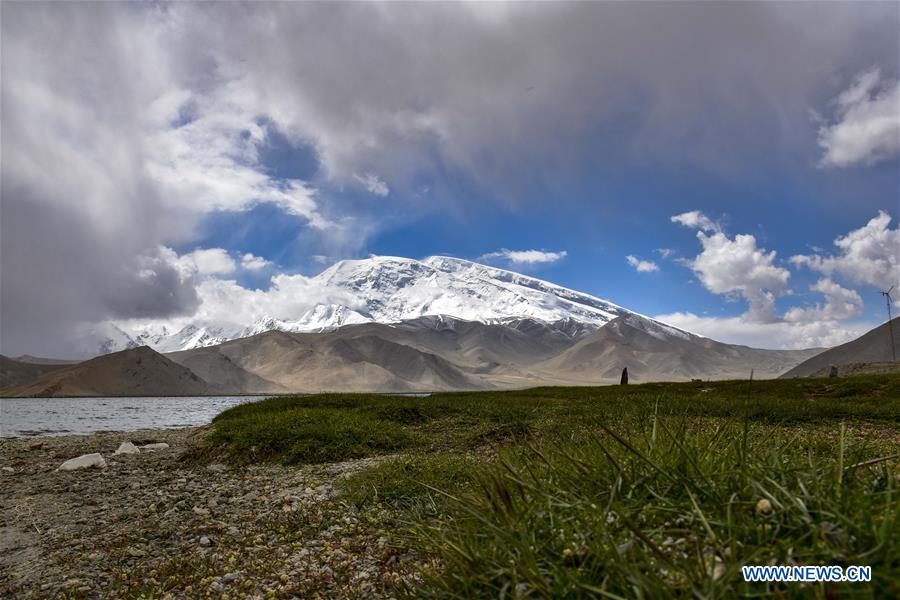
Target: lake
[(21, 417)]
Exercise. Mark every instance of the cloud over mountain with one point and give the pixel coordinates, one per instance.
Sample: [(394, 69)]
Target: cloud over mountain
[(128, 128), (524, 257)]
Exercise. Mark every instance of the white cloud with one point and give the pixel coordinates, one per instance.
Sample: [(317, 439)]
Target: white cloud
[(840, 304), (251, 262), (225, 301), (525, 257), (642, 266), (202, 261), (696, 220), (870, 254), (210, 162), (737, 266), (776, 334), (666, 252), (211, 261), (373, 184), (866, 124)]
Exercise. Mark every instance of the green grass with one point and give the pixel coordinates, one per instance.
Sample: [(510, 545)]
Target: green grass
[(407, 481), (639, 491), (301, 434), (667, 513)]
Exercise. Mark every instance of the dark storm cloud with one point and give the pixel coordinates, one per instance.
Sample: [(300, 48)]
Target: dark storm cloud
[(492, 88), (80, 220), (511, 98)]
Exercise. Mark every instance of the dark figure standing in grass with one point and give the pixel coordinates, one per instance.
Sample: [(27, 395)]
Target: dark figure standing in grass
[(624, 380)]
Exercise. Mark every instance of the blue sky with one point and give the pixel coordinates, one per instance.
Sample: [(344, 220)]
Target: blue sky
[(193, 145)]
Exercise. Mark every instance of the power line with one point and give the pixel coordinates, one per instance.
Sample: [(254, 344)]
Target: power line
[(887, 300)]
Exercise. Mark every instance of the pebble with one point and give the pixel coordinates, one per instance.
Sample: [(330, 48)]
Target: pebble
[(85, 461), (126, 448), (154, 447), (764, 507)]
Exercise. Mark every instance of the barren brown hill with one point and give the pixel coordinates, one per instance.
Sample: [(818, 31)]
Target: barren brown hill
[(443, 353), (15, 372), (657, 353), (334, 361), (871, 347), (136, 372), (214, 366)]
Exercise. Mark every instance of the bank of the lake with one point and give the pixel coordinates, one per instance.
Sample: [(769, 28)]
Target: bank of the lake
[(177, 528)]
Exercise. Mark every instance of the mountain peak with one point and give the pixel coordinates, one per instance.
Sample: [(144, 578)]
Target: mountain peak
[(393, 289)]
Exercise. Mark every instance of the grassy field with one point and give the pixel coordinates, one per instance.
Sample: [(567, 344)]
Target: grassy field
[(643, 491)]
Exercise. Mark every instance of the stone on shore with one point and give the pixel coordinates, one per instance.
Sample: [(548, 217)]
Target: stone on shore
[(85, 461), (126, 448), (154, 447)]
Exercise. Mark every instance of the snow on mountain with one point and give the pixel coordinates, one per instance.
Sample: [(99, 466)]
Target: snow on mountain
[(389, 290), (398, 289)]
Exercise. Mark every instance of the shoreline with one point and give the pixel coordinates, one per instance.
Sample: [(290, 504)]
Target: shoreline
[(157, 521)]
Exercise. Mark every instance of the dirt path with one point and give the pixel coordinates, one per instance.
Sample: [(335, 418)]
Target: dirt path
[(155, 522)]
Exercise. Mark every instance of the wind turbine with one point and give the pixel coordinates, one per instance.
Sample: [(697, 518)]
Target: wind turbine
[(887, 299)]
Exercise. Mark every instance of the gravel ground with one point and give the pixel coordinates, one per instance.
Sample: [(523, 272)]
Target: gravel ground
[(160, 525)]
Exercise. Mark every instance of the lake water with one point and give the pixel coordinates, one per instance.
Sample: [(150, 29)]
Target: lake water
[(65, 416)]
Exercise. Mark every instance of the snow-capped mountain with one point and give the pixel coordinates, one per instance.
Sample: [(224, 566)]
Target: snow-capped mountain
[(390, 290)]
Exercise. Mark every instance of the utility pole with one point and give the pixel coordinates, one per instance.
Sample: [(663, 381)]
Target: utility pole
[(887, 300)]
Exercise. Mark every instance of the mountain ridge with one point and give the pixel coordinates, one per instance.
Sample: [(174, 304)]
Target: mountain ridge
[(428, 354), (387, 289)]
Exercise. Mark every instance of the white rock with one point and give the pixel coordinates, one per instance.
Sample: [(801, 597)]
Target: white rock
[(85, 461), (8, 470), (153, 447), (126, 448)]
